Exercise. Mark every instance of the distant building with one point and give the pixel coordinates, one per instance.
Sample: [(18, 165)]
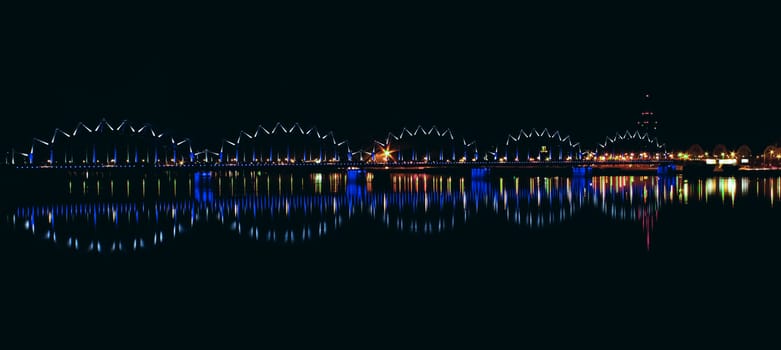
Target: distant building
[(647, 122)]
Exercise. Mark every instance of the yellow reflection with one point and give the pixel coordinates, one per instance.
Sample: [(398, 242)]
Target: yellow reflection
[(731, 188), (318, 182)]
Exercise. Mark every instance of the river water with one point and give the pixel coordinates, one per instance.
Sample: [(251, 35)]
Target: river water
[(475, 240)]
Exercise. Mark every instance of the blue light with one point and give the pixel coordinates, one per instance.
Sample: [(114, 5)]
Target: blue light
[(581, 171), (480, 172)]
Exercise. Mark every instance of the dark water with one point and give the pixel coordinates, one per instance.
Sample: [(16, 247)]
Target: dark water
[(456, 244)]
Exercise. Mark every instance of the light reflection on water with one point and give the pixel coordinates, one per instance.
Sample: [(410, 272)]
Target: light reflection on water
[(101, 214)]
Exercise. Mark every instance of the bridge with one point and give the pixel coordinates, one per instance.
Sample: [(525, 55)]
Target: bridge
[(292, 146)]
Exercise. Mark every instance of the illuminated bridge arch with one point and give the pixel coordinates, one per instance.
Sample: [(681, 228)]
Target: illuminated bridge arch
[(630, 145), (105, 144), (281, 144), (770, 151), (720, 150), (695, 151), (422, 145), (537, 145), (744, 151)]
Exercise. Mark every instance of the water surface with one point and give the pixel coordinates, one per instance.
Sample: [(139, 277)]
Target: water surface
[(464, 238)]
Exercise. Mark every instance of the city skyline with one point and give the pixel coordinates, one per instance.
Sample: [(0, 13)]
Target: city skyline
[(566, 71)]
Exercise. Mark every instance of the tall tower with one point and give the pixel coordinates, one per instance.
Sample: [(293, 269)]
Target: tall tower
[(647, 121)]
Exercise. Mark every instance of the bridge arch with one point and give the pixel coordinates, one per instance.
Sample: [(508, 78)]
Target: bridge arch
[(422, 145), (105, 144), (720, 150), (695, 151), (283, 144), (744, 151), (770, 150), (771, 155), (631, 145), (537, 145)]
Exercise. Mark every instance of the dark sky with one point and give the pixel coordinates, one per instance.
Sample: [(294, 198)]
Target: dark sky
[(361, 71)]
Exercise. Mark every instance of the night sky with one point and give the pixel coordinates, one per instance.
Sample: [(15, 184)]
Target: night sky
[(207, 73)]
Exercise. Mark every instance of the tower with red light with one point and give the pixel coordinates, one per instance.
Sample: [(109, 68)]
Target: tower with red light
[(647, 122)]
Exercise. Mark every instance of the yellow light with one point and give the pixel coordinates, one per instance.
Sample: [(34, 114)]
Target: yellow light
[(386, 152)]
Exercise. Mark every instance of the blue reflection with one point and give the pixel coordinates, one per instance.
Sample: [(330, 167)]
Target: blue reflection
[(292, 209), (202, 191), (581, 171), (480, 172)]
